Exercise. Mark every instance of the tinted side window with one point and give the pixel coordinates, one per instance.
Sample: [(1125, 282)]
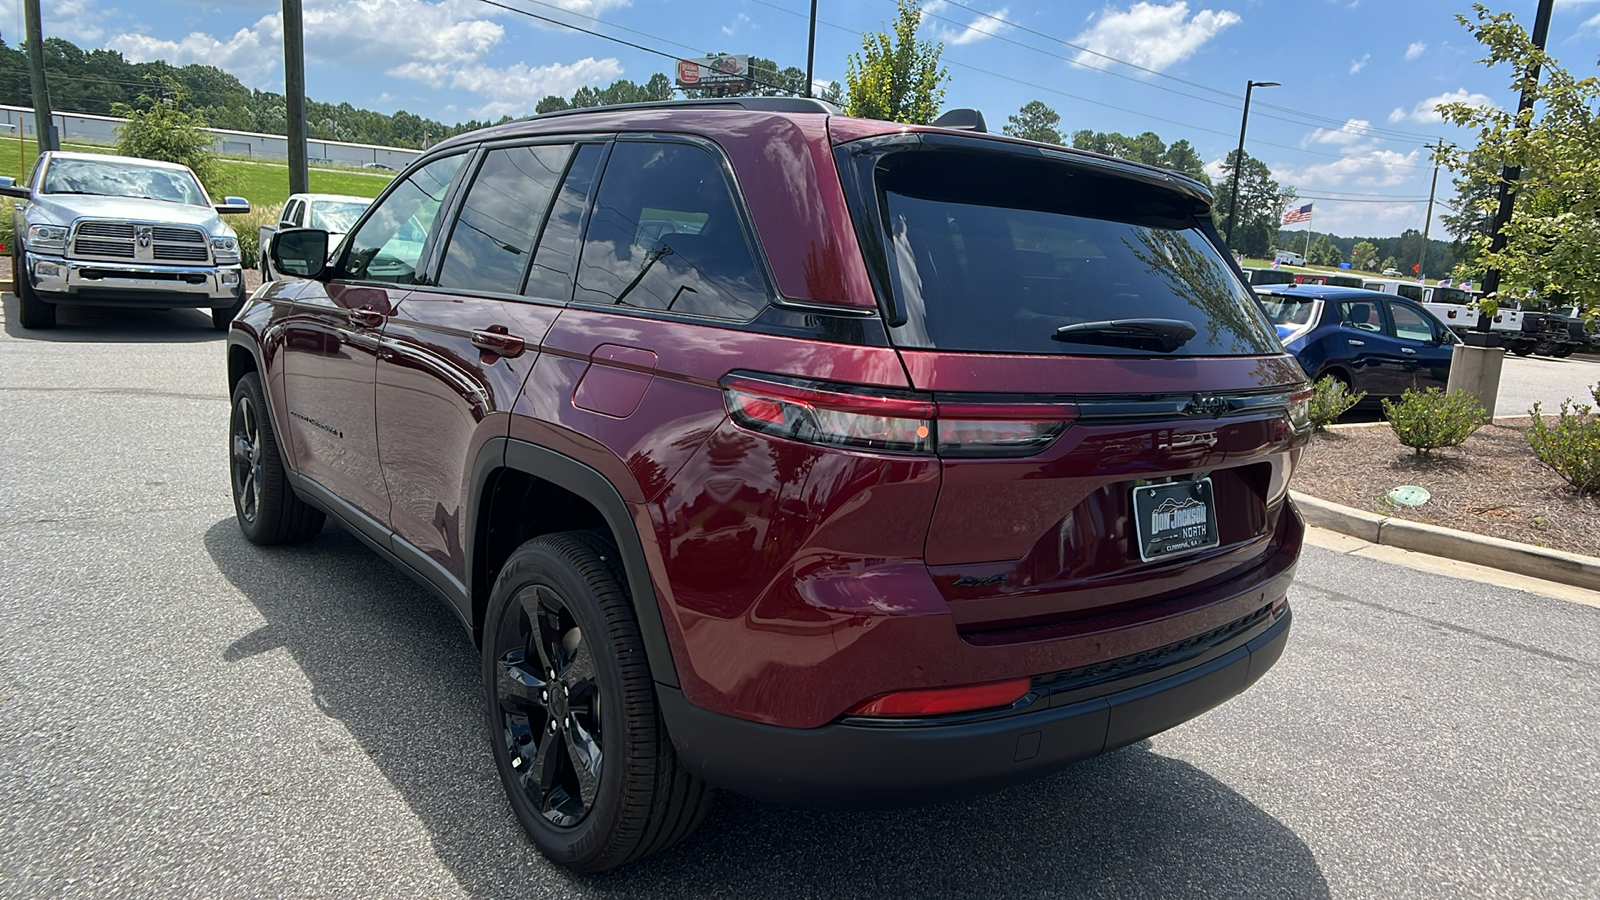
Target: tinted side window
[(1409, 291), (501, 217), (551, 275), (388, 245), (666, 235), (1411, 324)]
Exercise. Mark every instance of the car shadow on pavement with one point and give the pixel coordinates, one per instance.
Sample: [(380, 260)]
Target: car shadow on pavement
[(394, 666), (111, 325)]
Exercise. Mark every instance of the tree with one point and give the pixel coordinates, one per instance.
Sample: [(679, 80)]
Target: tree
[(1261, 204), (1035, 122), (896, 78), (1182, 157), (1364, 256), (1323, 252), (1390, 262), (1553, 240), (160, 130), (1147, 148)]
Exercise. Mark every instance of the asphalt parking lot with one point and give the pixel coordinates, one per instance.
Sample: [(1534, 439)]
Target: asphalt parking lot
[(185, 715)]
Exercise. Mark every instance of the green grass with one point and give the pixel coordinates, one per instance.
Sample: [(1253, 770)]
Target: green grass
[(264, 183)]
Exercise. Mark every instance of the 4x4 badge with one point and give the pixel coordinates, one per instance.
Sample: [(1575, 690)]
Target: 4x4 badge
[(1206, 405)]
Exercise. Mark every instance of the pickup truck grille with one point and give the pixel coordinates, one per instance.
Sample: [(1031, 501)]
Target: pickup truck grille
[(130, 240)]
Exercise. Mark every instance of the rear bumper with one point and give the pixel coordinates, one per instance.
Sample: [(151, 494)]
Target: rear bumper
[(855, 764), (59, 280)]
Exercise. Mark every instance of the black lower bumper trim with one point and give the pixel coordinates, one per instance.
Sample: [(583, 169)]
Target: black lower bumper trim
[(855, 766)]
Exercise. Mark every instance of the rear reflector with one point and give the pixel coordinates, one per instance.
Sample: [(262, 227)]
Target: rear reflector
[(942, 701)]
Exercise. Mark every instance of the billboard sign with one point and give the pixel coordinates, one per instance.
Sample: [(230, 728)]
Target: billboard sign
[(711, 72)]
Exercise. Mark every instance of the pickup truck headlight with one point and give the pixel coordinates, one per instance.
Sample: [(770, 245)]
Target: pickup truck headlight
[(47, 238), (225, 249)]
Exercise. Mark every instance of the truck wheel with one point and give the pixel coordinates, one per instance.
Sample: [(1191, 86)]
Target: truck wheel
[(222, 317), (1545, 348), (1521, 349), (268, 510), (34, 313), (1564, 351), (573, 721)]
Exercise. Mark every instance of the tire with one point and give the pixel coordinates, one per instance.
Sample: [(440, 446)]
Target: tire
[(1522, 349), (34, 313), (223, 317), (590, 772), (1544, 348), (265, 505), (1564, 351)]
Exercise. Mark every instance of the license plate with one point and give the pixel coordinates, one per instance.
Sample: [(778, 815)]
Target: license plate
[(1174, 518)]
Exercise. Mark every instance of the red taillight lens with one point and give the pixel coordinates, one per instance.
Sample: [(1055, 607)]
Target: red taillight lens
[(943, 701), (879, 420), (1300, 409)]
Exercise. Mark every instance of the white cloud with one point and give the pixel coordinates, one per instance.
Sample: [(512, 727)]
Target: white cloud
[(1416, 49), (78, 21), (1362, 166), (1591, 24), (251, 54), (739, 21), (1357, 65), (977, 28), (1345, 135), (1426, 111), (1150, 35), (514, 88)]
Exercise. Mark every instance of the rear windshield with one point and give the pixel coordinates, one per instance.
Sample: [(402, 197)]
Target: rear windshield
[(994, 253), (1282, 310)]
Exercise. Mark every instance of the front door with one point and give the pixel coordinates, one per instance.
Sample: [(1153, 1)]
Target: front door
[(1423, 354), (333, 335)]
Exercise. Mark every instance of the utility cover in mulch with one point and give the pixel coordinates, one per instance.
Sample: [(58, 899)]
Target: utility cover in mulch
[(1491, 485)]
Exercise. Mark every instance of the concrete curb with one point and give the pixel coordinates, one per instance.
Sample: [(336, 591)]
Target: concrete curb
[(1534, 562)]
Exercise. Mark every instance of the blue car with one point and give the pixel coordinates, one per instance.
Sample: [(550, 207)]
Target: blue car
[(1370, 341)]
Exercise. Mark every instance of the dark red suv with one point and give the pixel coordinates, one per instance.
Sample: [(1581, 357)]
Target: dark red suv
[(826, 460)]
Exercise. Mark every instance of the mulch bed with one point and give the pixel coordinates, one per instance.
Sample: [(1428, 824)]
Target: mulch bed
[(1490, 485)]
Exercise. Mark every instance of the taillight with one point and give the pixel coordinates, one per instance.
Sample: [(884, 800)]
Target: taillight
[(891, 422), (1300, 409), (943, 701)]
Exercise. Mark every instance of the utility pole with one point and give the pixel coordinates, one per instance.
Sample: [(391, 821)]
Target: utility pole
[(1422, 258), (1510, 174), (294, 95), (44, 128), (811, 48)]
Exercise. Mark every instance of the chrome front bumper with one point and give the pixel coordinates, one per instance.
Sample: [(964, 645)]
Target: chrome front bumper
[(122, 284)]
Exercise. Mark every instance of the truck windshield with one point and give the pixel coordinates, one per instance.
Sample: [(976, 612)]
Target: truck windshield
[(336, 217), (120, 179), (994, 253)]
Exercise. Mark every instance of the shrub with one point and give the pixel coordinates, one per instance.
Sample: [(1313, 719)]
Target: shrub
[(158, 129), (1329, 401), (1595, 392), (1571, 446), (248, 227), (1425, 420)]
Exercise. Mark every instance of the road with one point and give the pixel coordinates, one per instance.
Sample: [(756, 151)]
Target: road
[(185, 715)]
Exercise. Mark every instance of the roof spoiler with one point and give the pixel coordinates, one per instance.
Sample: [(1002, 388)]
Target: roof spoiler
[(963, 120)]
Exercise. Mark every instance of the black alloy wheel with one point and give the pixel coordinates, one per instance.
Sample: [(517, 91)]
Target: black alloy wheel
[(550, 707), (573, 718), (265, 505)]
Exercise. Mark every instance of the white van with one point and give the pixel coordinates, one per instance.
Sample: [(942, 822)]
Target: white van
[(1290, 258)]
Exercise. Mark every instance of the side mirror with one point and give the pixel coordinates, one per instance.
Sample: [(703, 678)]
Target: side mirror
[(233, 206), (301, 252), (10, 188)]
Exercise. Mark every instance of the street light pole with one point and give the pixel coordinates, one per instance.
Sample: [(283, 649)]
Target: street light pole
[(294, 95), (1238, 160), (1422, 258)]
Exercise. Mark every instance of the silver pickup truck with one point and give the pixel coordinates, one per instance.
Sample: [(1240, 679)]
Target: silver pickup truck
[(118, 231)]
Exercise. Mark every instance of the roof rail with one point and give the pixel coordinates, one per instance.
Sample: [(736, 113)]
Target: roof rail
[(760, 104)]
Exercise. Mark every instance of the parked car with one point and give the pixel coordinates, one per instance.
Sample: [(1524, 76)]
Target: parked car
[(1368, 340), (1268, 276), (333, 213), (105, 230), (1391, 272), (830, 461), (1289, 258)]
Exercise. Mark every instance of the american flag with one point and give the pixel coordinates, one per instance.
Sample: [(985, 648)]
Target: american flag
[(1296, 216)]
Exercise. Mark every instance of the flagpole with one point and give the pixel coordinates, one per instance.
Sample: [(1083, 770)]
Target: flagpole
[(1307, 254)]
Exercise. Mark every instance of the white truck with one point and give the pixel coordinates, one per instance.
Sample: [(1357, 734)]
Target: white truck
[(1289, 258), (334, 213), (1521, 331)]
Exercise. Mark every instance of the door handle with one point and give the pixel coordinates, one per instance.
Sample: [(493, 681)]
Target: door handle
[(1407, 350), (366, 317), (497, 339), (1355, 343)]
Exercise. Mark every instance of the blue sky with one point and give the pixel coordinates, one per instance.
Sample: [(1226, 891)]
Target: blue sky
[(1360, 77)]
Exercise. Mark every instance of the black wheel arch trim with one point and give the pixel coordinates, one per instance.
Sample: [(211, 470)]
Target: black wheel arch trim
[(593, 487)]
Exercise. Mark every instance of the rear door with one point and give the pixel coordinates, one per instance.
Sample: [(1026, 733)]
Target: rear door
[(1113, 407), (457, 351)]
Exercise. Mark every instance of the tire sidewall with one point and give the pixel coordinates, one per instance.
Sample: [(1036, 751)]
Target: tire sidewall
[(534, 565), (250, 386)]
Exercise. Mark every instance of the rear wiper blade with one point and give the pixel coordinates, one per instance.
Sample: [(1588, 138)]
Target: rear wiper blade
[(1165, 335)]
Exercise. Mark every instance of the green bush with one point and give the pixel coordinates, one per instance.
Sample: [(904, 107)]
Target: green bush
[(1425, 420), (1329, 401), (160, 130), (1571, 446), (1594, 391), (248, 227)]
